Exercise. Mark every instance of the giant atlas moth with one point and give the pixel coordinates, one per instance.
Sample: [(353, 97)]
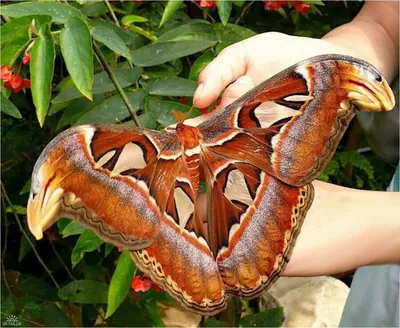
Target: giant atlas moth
[(137, 188)]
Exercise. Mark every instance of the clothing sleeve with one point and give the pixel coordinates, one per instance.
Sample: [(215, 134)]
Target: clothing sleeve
[(382, 130)]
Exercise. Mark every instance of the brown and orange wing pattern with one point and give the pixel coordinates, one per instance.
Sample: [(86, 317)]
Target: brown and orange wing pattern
[(132, 187), (80, 175), (259, 172), (253, 222), (323, 94)]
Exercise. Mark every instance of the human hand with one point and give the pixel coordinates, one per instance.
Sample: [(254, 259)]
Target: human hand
[(254, 60)]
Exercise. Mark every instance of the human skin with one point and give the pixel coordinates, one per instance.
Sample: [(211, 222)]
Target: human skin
[(344, 228)]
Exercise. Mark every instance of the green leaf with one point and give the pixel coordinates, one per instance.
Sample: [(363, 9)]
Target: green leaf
[(24, 246), (113, 110), (148, 120), (162, 110), (102, 83), (26, 188), (9, 304), (94, 9), (129, 19), (111, 40), (59, 12), (7, 107), (128, 38), (160, 71), (87, 242), (120, 282), (85, 292), (31, 305), (170, 9), (108, 249), (151, 308), (21, 210), (53, 316), (267, 318), (212, 322), (62, 223), (36, 287), (282, 12), (13, 49), (42, 68), (200, 64), (239, 3), (171, 86), (124, 317), (76, 48), (73, 228), (231, 33), (76, 109), (160, 53), (10, 29), (224, 10), (315, 2), (181, 41), (198, 26)]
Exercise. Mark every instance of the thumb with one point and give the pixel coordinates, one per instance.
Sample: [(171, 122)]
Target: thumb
[(235, 90)]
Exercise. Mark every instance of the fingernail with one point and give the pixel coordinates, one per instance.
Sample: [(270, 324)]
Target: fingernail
[(197, 93)]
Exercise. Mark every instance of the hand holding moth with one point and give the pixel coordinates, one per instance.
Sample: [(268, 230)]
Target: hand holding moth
[(137, 188), (372, 36)]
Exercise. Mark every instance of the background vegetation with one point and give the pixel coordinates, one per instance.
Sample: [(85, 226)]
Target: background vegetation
[(65, 63)]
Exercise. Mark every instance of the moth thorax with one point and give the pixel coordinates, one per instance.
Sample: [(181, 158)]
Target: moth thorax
[(188, 135)]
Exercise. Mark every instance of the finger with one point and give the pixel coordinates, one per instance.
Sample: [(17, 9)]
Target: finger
[(235, 90), (226, 68)]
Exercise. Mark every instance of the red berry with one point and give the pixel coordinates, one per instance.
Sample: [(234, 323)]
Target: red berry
[(6, 73), (26, 83), (207, 3), (302, 7), (274, 5), (16, 83), (26, 60), (141, 283)]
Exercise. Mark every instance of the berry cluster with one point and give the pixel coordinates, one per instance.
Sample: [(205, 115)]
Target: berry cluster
[(143, 284), (300, 6), (12, 81)]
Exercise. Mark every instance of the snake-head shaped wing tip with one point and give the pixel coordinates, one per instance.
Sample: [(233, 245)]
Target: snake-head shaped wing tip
[(369, 90), (366, 88), (68, 180)]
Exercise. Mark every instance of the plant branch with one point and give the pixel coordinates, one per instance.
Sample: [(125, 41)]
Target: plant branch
[(208, 14), (112, 13), (244, 11), (114, 80), (61, 261), (3, 190)]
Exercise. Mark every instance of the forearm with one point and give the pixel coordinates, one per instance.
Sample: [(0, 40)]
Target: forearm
[(345, 229), (373, 36)]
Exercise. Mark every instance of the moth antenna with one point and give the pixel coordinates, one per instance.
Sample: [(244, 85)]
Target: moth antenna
[(180, 117)]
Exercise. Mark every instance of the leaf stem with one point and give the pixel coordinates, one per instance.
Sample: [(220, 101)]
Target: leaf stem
[(208, 14), (3, 190), (112, 13), (113, 78), (143, 32), (244, 11), (115, 21), (61, 261)]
